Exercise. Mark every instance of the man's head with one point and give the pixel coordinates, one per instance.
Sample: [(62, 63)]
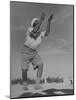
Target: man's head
[(34, 22)]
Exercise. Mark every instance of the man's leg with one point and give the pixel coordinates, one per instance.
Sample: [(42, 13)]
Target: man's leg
[(39, 74), (24, 69), (24, 76), (38, 64), (26, 55)]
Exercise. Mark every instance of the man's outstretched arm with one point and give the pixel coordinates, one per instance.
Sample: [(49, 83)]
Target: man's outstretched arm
[(48, 25)]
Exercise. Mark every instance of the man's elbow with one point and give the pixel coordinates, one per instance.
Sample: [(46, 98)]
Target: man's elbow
[(47, 34)]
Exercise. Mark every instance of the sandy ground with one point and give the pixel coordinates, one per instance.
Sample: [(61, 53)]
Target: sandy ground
[(17, 90)]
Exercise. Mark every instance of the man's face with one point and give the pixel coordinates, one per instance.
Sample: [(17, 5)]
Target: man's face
[(36, 23), (36, 26)]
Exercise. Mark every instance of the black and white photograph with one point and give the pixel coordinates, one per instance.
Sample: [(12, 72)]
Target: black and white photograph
[(41, 49)]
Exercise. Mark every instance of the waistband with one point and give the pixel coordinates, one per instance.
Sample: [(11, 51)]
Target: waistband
[(30, 48)]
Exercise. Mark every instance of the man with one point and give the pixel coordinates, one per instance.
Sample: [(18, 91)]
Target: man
[(30, 51)]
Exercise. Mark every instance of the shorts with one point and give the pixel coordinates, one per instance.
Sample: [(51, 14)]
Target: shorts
[(28, 56)]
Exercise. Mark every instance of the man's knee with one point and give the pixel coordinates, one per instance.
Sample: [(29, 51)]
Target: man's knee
[(40, 70), (25, 66), (39, 66)]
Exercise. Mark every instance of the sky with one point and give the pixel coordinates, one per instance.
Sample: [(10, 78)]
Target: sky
[(56, 50)]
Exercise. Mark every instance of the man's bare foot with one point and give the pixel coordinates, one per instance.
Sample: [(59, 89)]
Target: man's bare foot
[(25, 86), (38, 87)]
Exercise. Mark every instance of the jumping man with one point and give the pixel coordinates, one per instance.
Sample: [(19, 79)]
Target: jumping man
[(30, 50)]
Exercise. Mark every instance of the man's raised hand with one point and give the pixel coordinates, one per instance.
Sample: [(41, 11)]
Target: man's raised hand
[(50, 17)]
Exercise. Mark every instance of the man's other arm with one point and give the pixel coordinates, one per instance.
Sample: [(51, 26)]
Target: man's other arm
[(48, 25)]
